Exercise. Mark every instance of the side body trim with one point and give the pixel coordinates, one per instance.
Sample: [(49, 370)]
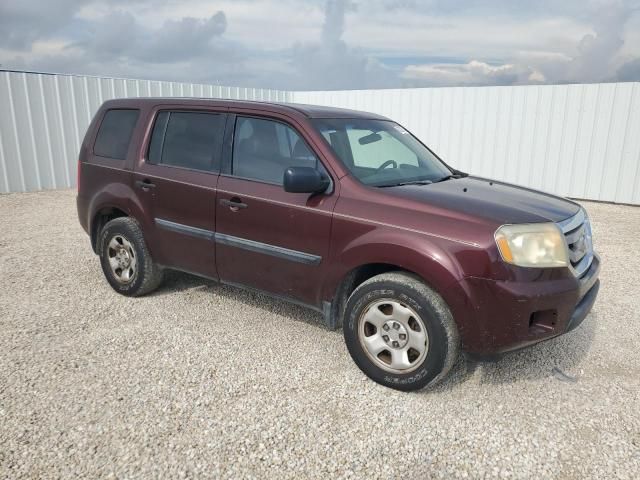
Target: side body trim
[(251, 245), (184, 229), (267, 249)]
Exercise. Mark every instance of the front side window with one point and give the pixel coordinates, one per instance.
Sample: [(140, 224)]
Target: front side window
[(186, 139), (264, 149), (115, 133), (380, 152)]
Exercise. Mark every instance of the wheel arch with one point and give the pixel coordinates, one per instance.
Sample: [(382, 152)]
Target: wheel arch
[(428, 261), (113, 201), (100, 219)]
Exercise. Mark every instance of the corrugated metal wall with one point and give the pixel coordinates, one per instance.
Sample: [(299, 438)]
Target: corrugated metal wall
[(581, 141), (43, 119)]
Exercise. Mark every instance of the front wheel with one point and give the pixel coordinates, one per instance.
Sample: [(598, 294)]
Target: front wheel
[(399, 332)]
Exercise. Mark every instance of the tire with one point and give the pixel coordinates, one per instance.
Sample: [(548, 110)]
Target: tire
[(395, 304), (122, 244)]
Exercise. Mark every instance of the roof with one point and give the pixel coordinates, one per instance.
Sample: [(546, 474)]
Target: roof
[(318, 111), (309, 111)]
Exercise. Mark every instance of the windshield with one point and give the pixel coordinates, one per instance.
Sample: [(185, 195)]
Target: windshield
[(381, 153)]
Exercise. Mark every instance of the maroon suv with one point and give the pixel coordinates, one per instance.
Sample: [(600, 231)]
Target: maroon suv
[(342, 211)]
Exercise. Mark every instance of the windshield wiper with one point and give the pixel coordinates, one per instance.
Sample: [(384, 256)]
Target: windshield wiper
[(454, 176), (402, 184), (417, 182)]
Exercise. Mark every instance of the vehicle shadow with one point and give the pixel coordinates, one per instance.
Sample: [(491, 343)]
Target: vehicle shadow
[(560, 357), (176, 281)]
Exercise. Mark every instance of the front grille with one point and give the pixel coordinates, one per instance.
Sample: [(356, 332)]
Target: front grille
[(577, 233)]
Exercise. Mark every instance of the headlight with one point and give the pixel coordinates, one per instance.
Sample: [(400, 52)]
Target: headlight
[(539, 245)]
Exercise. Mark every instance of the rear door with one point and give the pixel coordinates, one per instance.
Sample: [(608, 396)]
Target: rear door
[(176, 180), (267, 238)]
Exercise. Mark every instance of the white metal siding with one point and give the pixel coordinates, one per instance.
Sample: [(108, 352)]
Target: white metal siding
[(43, 119), (581, 141)]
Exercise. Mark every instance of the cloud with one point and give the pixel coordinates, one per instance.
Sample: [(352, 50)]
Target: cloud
[(472, 73), (333, 44), (331, 63), (595, 57), (109, 38), (185, 38), (118, 35), (596, 52), (117, 44), (629, 71), (598, 55), (25, 21)]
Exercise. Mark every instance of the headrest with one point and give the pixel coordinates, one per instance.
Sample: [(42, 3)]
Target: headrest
[(300, 150)]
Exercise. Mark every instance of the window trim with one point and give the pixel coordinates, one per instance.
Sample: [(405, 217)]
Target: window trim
[(216, 166), (226, 169), (133, 131)]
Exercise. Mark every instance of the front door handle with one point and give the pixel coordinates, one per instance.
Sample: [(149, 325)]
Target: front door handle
[(145, 184), (234, 204)]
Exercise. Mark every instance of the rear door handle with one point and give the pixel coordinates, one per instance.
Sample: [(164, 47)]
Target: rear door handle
[(145, 184), (234, 204)]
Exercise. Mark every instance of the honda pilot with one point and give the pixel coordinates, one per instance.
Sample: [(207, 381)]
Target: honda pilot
[(342, 211)]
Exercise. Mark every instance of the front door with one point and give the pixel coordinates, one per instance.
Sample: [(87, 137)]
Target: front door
[(176, 182), (265, 237)]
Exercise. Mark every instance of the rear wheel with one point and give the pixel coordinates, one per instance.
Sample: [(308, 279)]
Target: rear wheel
[(125, 259), (400, 332)]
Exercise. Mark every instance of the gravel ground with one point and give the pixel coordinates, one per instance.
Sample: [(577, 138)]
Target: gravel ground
[(201, 380)]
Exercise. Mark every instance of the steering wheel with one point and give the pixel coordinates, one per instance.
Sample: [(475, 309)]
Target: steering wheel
[(386, 164)]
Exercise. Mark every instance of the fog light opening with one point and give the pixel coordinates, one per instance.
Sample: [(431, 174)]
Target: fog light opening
[(543, 319)]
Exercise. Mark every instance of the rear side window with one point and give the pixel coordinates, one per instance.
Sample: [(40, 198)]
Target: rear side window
[(115, 133), (187, 139)]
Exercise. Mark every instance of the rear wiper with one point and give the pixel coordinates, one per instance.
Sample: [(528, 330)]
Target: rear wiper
[(402, 184)]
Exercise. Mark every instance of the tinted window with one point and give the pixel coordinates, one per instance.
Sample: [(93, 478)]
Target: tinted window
[(264, 149), (115, 133), (186, 139)]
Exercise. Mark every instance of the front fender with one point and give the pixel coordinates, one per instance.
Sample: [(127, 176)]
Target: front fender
[(431, 258)]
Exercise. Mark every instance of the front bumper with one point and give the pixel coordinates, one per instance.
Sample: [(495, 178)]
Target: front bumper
[(499, 316)]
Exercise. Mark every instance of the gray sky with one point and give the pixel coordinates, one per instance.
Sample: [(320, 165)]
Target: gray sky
[(327, 44)]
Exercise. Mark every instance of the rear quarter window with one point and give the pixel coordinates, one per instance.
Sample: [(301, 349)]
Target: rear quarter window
[(115, 132)]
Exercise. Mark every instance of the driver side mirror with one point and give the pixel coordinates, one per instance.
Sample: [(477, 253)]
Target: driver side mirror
[(305, 180)]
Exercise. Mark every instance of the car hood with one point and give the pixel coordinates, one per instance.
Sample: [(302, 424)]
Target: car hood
[(494, 201)]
